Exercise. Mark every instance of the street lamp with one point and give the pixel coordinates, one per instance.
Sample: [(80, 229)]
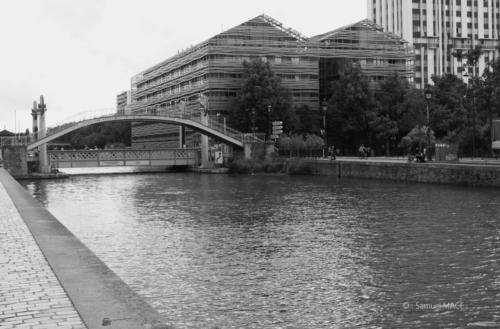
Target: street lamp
[(253, 119), (496, 94), (224, 120), (269, 108), (428, 96), (324, 108), (470, 91)]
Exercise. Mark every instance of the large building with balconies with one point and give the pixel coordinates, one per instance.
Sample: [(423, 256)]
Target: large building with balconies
[(214, 69)]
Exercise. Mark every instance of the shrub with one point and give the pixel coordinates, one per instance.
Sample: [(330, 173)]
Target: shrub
[(298, 167), (243, 166)]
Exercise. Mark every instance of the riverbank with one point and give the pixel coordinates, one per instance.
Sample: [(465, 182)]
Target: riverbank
[(87, 289), (471, 174)]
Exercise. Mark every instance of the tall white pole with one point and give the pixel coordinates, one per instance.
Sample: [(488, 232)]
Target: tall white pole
[(42, 156)]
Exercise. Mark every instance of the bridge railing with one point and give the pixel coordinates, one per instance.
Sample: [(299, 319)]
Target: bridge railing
[(123, 157), (214, 124), (106, 113), (79, 117)]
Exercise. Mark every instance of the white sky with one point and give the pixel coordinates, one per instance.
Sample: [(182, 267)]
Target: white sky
[(81, 53)]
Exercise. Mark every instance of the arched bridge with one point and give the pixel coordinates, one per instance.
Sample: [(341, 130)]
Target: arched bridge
[(197, 123)]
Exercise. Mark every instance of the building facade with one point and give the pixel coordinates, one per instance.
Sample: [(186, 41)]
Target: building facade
[(214, 68), (122, 100), (363, 44), (438, 29)]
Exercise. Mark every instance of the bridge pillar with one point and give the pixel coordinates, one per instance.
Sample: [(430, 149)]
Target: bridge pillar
[(182, 136), (205, 163), (34, 114), (43, 159), (247, 149)]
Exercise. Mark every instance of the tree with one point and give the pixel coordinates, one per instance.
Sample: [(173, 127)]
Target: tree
[(491, 95), (385, 130), (416, 140), (308, 120), (350, 110), (100, 135), (448, 111), (412, 111), (389, 111), (473, 56), (262, 99)]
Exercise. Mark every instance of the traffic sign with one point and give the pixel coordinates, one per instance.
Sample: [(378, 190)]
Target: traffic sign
[(277, 128)]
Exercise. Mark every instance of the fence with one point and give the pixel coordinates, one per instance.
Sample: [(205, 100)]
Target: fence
[(446, 152)]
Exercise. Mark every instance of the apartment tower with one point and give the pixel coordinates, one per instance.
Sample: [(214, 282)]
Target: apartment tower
[(439, 29)]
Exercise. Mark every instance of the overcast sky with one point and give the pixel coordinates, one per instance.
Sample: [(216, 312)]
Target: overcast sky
[(81, 53)]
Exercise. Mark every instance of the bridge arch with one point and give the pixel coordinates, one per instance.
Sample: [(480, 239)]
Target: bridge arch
[(231, 138)]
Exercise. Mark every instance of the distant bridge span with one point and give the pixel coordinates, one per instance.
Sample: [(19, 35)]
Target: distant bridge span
[(212, 129)]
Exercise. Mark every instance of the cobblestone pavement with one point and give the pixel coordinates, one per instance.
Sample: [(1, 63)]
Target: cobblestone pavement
[(30, 294)]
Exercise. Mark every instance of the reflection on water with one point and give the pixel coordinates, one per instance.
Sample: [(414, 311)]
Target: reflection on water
[(291, 252)]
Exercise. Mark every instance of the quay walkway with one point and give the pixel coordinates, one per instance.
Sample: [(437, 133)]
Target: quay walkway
[(50, 280), (30, 294)]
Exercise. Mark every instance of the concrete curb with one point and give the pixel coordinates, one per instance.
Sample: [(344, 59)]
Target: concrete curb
[(101, 298)]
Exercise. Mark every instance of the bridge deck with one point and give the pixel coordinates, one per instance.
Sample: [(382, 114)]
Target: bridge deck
[(123, 157)]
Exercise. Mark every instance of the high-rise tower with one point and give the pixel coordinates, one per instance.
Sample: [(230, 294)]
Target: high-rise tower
[(438, 28)]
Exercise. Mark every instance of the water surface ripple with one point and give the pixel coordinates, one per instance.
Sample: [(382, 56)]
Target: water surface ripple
[(291, 252)]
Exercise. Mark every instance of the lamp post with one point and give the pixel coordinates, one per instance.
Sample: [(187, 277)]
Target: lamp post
[(470, 89), (324, 108), (254, 128), (496, 95), (223, 119), (269, 108), (428, 96)]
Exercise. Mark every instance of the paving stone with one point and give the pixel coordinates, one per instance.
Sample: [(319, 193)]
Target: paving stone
[(31, 297)]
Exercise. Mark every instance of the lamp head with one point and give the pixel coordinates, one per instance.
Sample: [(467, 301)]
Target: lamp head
[(428, 92)]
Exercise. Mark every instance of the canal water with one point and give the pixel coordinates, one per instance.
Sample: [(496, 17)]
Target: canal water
[(224, 251)]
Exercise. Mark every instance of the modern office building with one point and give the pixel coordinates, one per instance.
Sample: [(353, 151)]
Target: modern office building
[(122, 100), (438, 29), (214, 68), (364, 44)]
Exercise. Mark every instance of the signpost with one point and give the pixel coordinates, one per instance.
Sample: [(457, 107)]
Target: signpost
[(277, 129)]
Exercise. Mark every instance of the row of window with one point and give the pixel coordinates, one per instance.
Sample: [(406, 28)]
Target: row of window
[(197, 82), (195, 65), (185, 86)]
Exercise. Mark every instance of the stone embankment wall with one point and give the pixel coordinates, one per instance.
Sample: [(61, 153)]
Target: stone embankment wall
[(462, 174), (15, 160)]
